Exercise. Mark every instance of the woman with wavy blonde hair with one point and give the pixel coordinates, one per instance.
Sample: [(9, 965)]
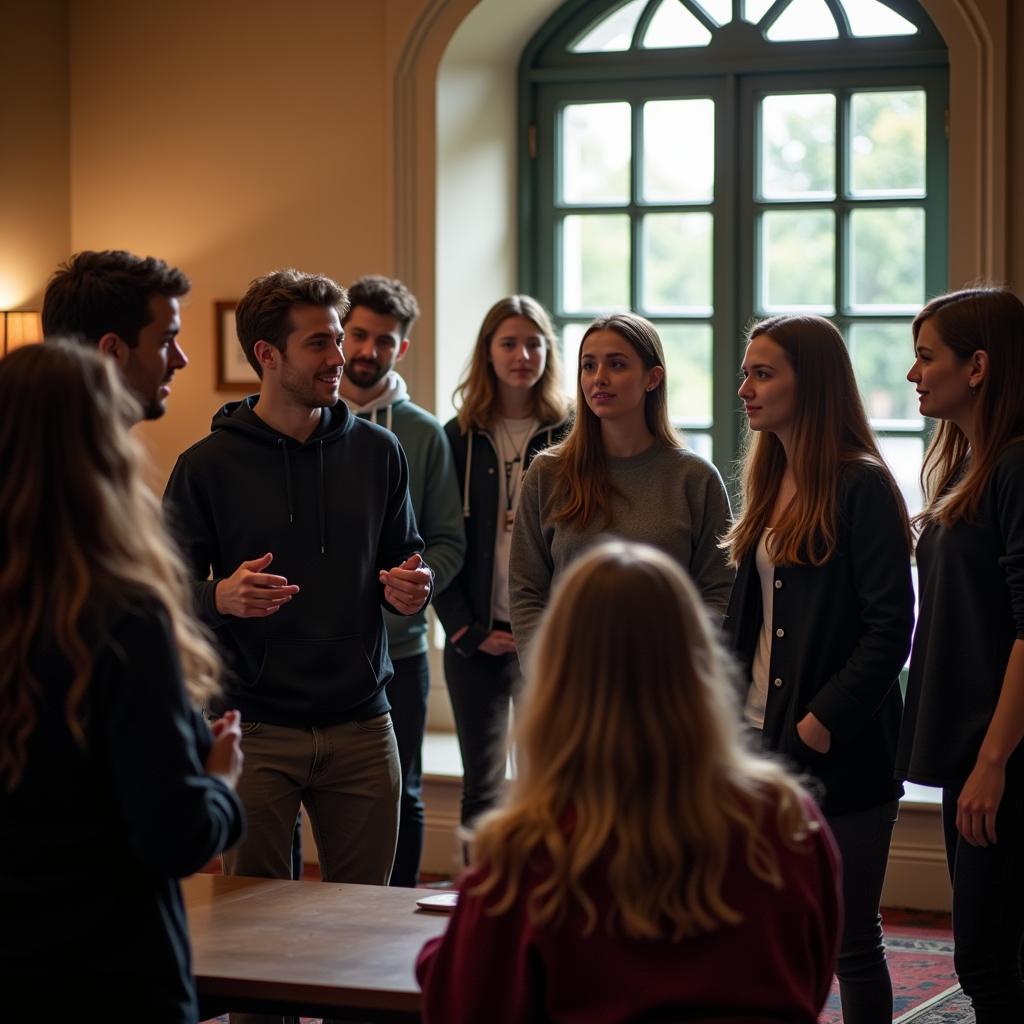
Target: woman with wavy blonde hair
[(965, 695), (622, 470), (511, 408), (644, 865), (105, 762), (822, 612)]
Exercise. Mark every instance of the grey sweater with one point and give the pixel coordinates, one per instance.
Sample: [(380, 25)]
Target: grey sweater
[(670, 498)]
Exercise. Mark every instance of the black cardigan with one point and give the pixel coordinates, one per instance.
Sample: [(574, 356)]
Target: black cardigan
[(842, 633), (972, 612), (466, 601)]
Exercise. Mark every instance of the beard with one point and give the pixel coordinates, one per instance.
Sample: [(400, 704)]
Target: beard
[(366, 373)]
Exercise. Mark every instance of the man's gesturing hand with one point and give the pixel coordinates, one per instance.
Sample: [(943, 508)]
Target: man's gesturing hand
[(407, 587), (249, 592)]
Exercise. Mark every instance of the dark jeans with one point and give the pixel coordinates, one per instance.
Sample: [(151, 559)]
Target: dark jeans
[(481, 687), (988, 911), (407, 693), (864, 984)]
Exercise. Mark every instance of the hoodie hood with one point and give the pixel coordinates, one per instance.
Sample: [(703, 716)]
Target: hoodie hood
[(242, 417), (395, 392), (335, 421)]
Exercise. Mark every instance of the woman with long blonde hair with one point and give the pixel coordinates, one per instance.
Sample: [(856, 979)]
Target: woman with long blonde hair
[(622, 470), (107, 769), (965, 696), (822, 612), (644, 865), (511, 408)]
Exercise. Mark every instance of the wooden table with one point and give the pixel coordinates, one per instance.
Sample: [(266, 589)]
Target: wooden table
[(315, 948)]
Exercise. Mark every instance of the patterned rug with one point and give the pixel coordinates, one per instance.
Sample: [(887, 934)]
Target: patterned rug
[(925, 990)]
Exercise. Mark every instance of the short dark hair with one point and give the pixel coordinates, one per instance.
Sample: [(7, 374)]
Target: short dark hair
[(264, 314), (386, 296), (97, 293)]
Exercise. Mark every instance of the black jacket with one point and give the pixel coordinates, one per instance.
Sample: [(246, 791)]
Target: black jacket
[(845, 632), (467, 599), (334, 510), (95, 837), (972, 613)]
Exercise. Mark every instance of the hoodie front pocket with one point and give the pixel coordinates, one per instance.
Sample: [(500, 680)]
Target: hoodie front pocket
[(315, 676)]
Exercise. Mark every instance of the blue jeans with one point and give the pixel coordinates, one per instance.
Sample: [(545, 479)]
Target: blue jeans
[(407, 694), (864, 984), (988, 910)]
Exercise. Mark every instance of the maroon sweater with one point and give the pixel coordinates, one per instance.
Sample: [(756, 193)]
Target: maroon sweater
[(775, 966)]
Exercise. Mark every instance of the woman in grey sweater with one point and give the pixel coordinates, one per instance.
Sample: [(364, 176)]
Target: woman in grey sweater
[(621, 471)]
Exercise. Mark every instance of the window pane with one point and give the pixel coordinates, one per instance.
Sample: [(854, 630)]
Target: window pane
[(679, 150), (904, 456), (674, 25), (720, 10), (676, 268), (797, 261), (803, 19), (699, 443), (882, 354), (871, 18), (595, 153), (887, 258), (612, 32), (755, 10), (688, 366), (798, 146), (595, 262), (572, 335), (887, 143)]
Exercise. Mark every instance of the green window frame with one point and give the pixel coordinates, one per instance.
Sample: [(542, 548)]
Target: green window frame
[(737, 69)]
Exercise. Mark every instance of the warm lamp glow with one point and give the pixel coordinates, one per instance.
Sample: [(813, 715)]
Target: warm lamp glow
[(19, 328)]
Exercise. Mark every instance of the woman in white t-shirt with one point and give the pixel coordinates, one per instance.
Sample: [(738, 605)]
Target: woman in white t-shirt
[(511, 406)]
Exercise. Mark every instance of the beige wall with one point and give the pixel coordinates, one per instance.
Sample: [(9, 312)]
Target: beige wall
[(34, 203), (1015, 169), (230, 138)]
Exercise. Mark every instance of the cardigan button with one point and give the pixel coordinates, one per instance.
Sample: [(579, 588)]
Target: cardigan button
[(778, 584), (780, 633), (778, 682)]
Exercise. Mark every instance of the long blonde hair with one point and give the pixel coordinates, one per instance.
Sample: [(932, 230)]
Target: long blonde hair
[(954, 474), (477, 392), (80, 533), (629, 750), (584, 489), (830, 431)]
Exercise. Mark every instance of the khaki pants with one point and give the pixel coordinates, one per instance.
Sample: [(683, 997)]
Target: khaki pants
[(348, 778)]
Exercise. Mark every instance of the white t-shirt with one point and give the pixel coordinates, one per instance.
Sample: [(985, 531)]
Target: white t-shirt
[(511, 437), (757, 695)]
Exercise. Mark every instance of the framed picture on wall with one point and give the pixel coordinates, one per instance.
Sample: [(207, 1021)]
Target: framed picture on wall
[(233, 370)]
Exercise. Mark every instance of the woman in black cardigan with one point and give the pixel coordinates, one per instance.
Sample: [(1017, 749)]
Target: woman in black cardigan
[(822, 612), (511, 406), (965, 697)]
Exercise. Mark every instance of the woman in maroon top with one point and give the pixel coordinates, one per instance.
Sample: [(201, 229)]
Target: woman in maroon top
[(644, 865)]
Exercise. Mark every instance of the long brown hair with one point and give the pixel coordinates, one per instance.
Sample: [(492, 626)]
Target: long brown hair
[(477, 392), (78, 528), (584, 488), (955, 472), (830, 431), (629, 750)]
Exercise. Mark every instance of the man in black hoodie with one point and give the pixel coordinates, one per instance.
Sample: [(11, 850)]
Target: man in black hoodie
[(291, 477)]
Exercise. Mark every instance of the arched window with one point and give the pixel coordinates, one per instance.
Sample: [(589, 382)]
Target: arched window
[(706, 162)]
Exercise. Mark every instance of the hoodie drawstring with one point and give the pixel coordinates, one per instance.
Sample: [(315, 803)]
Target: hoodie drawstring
[(287, 479), (323, 502), (469, 470)]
